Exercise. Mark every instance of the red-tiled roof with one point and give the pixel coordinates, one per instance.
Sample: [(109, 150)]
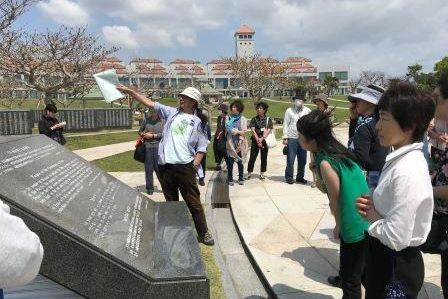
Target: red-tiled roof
[(216, 61), (300, 66), (297, 59), (268, 59), (146, 60), (302, 70), (181, 68), (221, 67), (184, 61), (112, 59), (245, 29), (121, 71), (158, 67), (198, 72), (104, 65)]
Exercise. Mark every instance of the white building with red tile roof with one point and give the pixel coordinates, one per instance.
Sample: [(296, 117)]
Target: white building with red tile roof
[(183, 72), (244, 41)]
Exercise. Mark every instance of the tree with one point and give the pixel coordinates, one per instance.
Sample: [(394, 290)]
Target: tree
[(330, 84), (52, 62), (12, 91), (10, 10), (441, 66), (372, 77), (423, 81), (414, 72), (256, 74), (354, 84)]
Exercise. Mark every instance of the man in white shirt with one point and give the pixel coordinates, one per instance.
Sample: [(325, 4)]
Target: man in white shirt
[(290, 135), (20, 252)]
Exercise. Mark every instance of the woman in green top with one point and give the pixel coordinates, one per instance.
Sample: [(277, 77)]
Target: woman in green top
[(344, 182)]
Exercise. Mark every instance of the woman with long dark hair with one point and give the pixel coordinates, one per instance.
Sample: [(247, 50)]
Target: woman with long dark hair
[(344, 182)]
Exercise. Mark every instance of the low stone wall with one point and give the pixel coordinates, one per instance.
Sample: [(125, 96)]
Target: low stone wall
[(17, 122)]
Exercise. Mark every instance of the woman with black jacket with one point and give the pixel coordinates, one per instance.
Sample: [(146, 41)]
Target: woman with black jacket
[(50, 126), (363, 137)]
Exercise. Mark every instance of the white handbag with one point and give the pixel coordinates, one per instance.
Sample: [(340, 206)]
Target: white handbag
[(271, 142)]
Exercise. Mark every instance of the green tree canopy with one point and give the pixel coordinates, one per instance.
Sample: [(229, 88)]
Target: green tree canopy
[(441, 66)]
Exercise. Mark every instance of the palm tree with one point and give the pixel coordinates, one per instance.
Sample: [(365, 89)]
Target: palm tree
[(330, 83)]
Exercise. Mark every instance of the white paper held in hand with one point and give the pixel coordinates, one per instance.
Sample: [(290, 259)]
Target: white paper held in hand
[(107, 82)]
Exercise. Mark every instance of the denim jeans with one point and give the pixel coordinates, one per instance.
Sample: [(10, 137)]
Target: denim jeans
[(294, 149), (151, 165)]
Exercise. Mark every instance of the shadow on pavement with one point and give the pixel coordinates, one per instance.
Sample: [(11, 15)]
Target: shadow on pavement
[(329, 233), (315, 261), (276, 178), (291, 293)]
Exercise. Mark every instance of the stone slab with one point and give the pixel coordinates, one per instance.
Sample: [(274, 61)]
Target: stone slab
[(102, 239)]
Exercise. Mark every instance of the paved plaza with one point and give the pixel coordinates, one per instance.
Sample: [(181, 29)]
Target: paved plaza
[(287, 229)]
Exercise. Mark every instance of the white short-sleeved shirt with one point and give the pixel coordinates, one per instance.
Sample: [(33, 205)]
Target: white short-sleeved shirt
[(176, 149), (404, 198)]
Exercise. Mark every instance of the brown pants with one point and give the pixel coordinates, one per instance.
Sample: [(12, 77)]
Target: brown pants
[(182, 177)]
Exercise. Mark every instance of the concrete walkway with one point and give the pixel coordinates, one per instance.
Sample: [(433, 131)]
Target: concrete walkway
[(99, 152), (288, 230)]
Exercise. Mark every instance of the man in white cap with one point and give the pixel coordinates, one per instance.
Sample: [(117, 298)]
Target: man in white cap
[(181, 150)]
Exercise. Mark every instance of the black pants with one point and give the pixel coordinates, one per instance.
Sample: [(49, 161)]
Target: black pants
[(203, 163), (351, 268), (444, 282), (230, 162), (381, 260), (219, 149), (254, 149), (182, 177)]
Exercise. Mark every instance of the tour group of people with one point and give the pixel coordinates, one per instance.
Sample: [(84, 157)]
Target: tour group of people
[(389, 197)]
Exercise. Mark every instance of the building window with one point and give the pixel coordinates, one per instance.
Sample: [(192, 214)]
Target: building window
[(241, 43), (250, 43), (241, 36), (323, 75), (341, 75), (249, 36)]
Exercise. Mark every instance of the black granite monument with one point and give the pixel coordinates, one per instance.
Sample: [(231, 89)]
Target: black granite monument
[(16, 122), (101, 238), (91, 119)]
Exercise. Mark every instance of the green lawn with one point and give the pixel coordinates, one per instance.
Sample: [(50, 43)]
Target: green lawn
[(80, 142), (213, 271), (277, 109), (32, 104), (125, 162), (119, 163)]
